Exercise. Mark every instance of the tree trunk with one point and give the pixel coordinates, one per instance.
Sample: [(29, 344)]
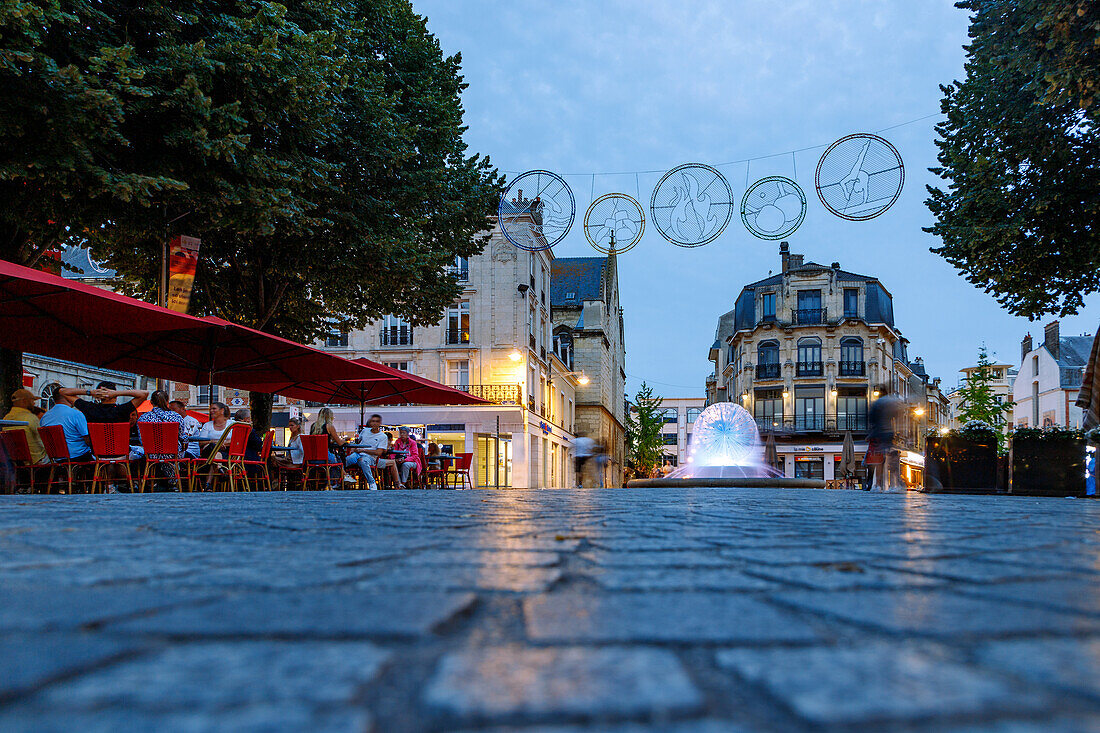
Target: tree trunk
[(261, 403), (11, 376)]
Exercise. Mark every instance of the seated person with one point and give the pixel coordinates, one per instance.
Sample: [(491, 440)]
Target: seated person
[(72, 421), (106, 407), (22, 400), (375, 444), (211, 432), (411, 461), (295, 455), (162, 413), (255, 445), (191, 426)]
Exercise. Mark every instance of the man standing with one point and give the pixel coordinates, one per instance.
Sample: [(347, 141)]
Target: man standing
[(22, 400), (374, 444), (72, 421), (107, 407)]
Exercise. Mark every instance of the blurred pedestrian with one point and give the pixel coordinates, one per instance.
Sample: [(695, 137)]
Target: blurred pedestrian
[(881, 451)]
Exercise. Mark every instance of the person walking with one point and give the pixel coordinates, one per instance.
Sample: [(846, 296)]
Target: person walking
[(881, 451), (583, 447)]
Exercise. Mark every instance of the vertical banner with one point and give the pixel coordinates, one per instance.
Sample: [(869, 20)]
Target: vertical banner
[(183, 257)]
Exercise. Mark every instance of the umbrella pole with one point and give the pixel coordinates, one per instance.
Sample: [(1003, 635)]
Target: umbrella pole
[(362, 409)]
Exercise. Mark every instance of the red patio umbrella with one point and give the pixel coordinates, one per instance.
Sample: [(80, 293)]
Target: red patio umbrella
[(52, 316)]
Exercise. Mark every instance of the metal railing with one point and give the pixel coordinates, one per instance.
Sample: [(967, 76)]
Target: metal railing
[(812, 423), (809, 316), (809, 369), (501, 394), (767, 371), (462, 273), (396, 336), (852, 369), (457, 337)]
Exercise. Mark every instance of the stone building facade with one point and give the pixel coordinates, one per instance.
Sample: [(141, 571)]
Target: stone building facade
[(588, 322), (1003, 376), (1048, 379), (804, 351)]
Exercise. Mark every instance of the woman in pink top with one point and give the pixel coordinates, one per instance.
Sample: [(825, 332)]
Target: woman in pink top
[(412, 459)]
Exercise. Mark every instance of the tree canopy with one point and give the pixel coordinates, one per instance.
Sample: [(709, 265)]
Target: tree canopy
[(1020, 150), (978, 401), (643, 430)]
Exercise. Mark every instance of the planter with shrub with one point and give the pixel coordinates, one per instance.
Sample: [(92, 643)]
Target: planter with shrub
[(961, 461), (1048, 462)]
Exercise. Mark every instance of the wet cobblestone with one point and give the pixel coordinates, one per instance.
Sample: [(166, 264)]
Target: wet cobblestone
[(640, 610)]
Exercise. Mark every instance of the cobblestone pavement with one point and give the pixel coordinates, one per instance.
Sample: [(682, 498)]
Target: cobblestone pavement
[(692, 611)]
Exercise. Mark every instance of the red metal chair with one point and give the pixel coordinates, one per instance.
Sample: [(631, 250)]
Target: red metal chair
[(53, 440), (265, 453), (460, 470), (110, 446), (234, 460), (163, 438), (315, 453), (19, 451)]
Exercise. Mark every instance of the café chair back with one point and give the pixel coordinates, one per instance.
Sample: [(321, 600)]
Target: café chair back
[(19, 451), (53, 439), (315, 457), (260, 466), (460, 470), (110, 446), (163, 439), (234, 460)]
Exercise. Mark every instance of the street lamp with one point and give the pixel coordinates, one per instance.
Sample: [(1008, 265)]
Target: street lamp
[(582, 378), (515, 355)]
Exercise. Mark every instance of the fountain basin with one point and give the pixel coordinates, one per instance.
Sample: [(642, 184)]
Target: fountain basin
[(742, 482)]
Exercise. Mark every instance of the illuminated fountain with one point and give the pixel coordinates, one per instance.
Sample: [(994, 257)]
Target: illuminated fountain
[(726, 451)]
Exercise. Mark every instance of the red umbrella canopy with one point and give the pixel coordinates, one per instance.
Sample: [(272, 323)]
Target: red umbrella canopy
[(49, 315)]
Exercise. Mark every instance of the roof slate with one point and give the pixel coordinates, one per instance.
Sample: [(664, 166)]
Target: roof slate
[(580, 276)]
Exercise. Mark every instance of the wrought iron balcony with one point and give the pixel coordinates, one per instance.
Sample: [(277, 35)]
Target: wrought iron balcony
[(457, 337), (461, 273), (809, 369), (809, 316), (767, 371), (855, 423), (500, 394), (396, 336), (852, 369), (812, 423)]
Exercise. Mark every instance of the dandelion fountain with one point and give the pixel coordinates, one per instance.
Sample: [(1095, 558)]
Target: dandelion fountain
[(726, 451)]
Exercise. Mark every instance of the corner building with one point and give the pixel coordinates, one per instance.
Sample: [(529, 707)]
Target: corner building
[(803, 351)]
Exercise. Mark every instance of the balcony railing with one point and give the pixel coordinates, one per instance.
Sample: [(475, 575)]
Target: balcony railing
[(461, 273), (809, 316), (809, 369), (457, 337), (812, 423), (500, 394), (767, 371), (855, 423), (852, 368), (396, 336)]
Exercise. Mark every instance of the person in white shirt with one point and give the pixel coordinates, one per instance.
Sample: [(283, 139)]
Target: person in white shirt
[(374, 444), (191, 426), (583, 447)]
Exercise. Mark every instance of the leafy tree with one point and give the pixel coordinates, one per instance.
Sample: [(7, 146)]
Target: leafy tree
[(979, 402), (643, 430), (1020, 149), (317, 150)]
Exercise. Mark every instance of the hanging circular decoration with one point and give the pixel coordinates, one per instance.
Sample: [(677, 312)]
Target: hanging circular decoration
[(614, 223), (773, 207), (859, 177), (691, 205), (536, 211)]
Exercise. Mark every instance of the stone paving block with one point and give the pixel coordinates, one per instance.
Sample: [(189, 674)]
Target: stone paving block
[(515, 681), (672, 558), (873, 683), (969, 569), (644, 544), (29, 660), (843, 576), (650, 578), (659, 616), (1047, 724), (465, 577), (39, 607), (663, 724), (1078, 595), (483, 557), (795, 555), (1068, 663), (937, 613), (323, 613)]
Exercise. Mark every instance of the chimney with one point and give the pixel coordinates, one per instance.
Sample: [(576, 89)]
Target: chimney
[(1050, 335), (1025, 347), (796, 261), (835, 265), (785, 255)]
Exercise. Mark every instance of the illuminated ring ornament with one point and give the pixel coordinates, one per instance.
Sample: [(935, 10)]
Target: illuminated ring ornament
[(691, 205), (859, 177), (614, 223), (773, 207), (540, 221)]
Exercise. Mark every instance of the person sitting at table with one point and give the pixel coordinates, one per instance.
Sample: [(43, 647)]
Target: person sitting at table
[(373, 445), (106, 407), (211, 432), (411, 461), (22, 400), (191, 426), (72, 421), (324, 425), (162, 413), (295, 455)]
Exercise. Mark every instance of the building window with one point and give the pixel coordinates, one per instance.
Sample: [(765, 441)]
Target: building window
[(851, 408), (401, 366), (45, 400), (1035, 404), (337, 339), (458, 373), (851, 302), (767, 360), (671, 417), (769, 409), (809, 357), (851, 357), (809, 408), (396, 332), (693, 414), (809, 308), (669, 438), (461, 269), (809, 467), (767, 306), (1035, 365), (208, 393), (458, 323)]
